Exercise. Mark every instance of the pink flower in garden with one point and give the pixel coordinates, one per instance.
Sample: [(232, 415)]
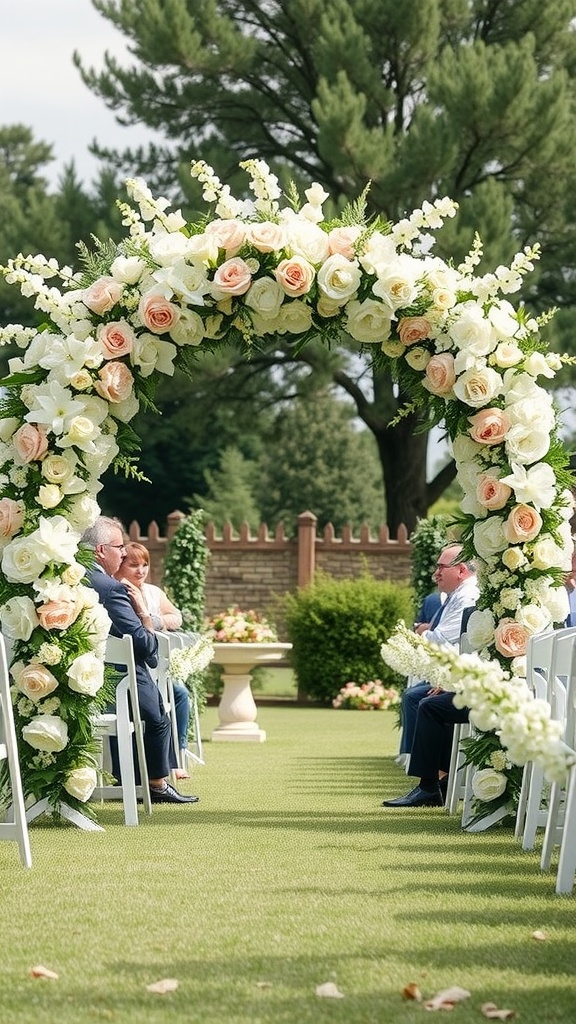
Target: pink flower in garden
[(158, 314)]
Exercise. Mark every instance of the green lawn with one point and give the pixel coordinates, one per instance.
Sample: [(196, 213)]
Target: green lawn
[(288, 874)]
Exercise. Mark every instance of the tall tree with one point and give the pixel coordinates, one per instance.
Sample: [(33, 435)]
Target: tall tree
[(469, 98)]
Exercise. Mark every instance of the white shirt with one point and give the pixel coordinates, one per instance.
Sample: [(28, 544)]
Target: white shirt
[(449, 626)]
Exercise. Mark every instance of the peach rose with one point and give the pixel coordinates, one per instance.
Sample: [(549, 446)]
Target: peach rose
[(412, 329), (343, 240), (228, 234), (492, 493), (117, 339), (523, 524), (266, 236), (232, 278), (11, 516), (57, 614), (440, 375), (157, 313), (34, 680), (115, 382), (102, 295), (295, 275), (30, 442), (510, 638), (489, 426)]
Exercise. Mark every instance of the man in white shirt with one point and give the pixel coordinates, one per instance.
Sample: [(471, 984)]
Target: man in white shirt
[(457, 579)]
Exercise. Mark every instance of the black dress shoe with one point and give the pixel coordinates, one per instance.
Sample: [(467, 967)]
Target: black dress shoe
[(417, 797), (169, 795)]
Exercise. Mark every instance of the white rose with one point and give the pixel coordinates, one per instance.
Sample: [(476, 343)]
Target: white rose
[(8, 425), (339, 278), (477, 387), (169, 247), (488, 784), (57, 469), (537, 412), (526, 445), (81, 783), (46, 732), (396, 283), (86, 674), (534, 618), (152, 353), (265, 296), (307, 240), (19, 618), (49, 496), (514, 558), (417, 357), (83, 512), (537, 365), (379, 253), (546, 554), (73, 574), (503, 318), (24, 559), (127, 269), (368, 321), (464, 449), (471, 331), (480, 628), (189, 330), (489, 537), (519, 385), (508, 354), (294, 318)]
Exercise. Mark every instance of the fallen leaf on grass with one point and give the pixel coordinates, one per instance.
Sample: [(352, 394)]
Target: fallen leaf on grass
[(491, 1011), (263, 984), (163, 986), (411, 991), (447, 999), (539, 936), (43, 972), (330, 990)]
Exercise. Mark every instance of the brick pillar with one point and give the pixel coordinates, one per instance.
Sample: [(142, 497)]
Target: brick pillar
[(306, 559), (173, 521)]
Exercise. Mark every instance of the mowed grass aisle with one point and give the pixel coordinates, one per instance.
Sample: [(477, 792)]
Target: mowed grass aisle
[(287, 875)]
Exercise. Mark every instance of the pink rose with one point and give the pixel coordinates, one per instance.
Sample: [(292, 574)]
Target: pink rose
[(229, 234), (57, 614), (30, 442), (523, 524), (440, 375), (343, 241), (117, 339), (412, 329), (511, 639), (36, 681), (115, 382), (102, 295), (489, 426), (491, 493), (232, 278), (158, 314), (11, 516), (266, 236), (295, 275)]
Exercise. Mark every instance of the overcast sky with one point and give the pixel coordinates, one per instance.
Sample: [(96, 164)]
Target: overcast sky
[(41, 88)]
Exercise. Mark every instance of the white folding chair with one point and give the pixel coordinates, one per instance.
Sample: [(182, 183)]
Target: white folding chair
[(124, 725), (167, 641), (562, 698), (188, 639), (531, 813), (567, 859), (17, 828), (458, 776)]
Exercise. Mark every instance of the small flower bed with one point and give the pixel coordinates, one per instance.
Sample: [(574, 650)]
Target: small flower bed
[(371, 696), (234, 626)]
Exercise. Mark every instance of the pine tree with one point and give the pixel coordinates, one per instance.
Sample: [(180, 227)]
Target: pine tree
[(466, 98)]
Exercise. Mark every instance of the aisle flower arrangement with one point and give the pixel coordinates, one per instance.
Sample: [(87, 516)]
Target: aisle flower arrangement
[(370, 696), (235, 626), (187, 665), (251, 269)]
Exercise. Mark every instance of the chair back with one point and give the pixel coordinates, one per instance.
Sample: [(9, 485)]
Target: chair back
[(16, 828)]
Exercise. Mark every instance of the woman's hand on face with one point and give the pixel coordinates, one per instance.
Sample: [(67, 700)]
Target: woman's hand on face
[(135, 596)]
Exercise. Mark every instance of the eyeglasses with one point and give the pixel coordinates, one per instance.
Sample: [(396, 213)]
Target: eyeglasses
[(119, 547)]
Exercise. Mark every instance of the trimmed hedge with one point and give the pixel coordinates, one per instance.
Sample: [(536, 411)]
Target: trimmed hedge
[(337, 627)]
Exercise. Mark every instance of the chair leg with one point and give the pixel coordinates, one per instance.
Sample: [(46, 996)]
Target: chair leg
[(126, 759), (533, 804), (551, 831), (567, 859), (523, 801)]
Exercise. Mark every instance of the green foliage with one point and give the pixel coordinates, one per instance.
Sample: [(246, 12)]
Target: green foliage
[(336, 628), (185, 570), (427, 540), (229, 494)]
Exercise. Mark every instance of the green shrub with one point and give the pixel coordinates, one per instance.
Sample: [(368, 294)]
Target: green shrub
[(185, 570), (337, 627), (427, 541)]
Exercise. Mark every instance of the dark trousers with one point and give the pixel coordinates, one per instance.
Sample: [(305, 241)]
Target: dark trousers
[(158, 745), (432, 743)]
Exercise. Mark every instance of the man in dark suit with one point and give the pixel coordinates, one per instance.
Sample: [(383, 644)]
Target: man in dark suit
[(106, 539)]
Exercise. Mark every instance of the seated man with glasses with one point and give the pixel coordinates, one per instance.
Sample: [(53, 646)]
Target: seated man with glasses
[(106, 539), (456, 579)]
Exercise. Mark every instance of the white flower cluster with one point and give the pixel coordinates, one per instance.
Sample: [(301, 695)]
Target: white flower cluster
[(497, 700), (186, 662)]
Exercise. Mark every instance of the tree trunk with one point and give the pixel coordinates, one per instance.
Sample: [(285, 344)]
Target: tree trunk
[(403, 458)]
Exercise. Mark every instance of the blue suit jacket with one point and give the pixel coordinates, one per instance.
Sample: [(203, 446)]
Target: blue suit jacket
[(114, 596)]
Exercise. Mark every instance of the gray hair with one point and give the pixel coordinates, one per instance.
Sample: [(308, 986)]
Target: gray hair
[(100, 531)]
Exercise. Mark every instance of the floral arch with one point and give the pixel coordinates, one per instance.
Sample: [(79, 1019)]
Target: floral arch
[(247, 270)]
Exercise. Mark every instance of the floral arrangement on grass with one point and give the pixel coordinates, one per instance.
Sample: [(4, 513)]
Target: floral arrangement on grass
[(496, 780), (245, 271), (370, 696), (235, 626), (500, 703), (187, 665)]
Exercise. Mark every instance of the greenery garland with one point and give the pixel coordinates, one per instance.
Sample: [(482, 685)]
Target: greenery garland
[(185, 570)]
